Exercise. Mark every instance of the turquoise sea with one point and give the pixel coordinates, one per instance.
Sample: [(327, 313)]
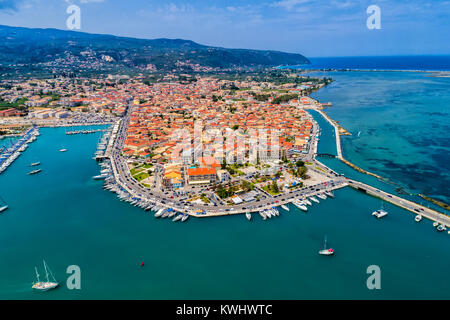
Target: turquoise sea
[(64, 216), (399, 123)]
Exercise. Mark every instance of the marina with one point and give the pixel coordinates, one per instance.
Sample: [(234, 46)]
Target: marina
[(84, 131), (10, 154)]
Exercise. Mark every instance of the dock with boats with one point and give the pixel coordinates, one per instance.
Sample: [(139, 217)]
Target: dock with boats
[(85, 131), (10, 154), (106, 143)]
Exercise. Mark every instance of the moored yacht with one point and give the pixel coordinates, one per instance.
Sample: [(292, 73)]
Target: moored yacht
[(178, 217), (418, 218), (263, 215), (322, 196), (330, 194), (284, 207), (314, 199), (300, 205), (159, 213), (380, 213), (249, 216)]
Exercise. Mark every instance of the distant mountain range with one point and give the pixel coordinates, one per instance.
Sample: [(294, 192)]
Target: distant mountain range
[(55, 49)]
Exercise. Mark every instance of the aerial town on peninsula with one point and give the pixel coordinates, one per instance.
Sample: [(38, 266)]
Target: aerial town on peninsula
[(201, 145)]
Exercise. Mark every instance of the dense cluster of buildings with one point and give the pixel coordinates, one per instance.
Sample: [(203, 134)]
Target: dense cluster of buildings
[(193, 130)]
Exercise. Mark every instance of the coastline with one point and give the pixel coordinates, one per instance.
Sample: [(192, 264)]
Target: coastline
[(359, 169)]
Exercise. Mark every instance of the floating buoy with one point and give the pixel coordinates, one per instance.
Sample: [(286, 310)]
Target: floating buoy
[(142, 264)]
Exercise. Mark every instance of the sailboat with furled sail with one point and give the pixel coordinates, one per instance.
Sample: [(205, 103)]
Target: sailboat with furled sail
[(45, 286), (326, 251)]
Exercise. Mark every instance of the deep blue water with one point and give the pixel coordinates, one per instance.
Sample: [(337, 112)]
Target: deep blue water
[(438, 62)]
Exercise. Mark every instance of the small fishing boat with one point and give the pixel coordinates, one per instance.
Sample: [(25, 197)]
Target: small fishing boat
[(34, 164), (435, 224), (34, 171), (62, 150), (330, 194), (418, 218), (45, 286), (3, 208), (284, 207), (326, 251), (100, 177), (185, 217), (3, 205), (249, 216), (441, 228)]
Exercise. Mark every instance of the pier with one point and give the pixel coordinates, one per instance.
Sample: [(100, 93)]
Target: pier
[(9, 155), (85, 131), (108, 141), (336, 133), (403, 203), (326, 155)]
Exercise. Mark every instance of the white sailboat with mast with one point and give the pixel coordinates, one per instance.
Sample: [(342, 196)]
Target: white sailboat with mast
[(325, 251), (45, 286)]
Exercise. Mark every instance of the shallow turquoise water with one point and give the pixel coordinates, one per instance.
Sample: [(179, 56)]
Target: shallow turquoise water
[(64, 216), (403, 119)]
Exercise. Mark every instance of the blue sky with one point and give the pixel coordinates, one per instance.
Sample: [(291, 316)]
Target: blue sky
[(311, 27)]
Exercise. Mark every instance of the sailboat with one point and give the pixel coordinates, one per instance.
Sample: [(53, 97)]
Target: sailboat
[(325, 251), (45, 286), (3, 205)]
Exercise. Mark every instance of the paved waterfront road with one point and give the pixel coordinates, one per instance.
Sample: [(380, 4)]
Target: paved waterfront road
[(406, 204), (123, 176)]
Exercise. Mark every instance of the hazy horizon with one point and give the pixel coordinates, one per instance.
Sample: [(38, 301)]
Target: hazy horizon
[(315, 29)]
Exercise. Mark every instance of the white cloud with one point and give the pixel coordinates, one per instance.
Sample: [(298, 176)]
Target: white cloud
[(289, 4)]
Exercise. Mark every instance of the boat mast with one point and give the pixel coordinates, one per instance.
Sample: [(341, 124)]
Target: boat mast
[(46, 273), (51, 274), (37, 275), (325, 243)]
